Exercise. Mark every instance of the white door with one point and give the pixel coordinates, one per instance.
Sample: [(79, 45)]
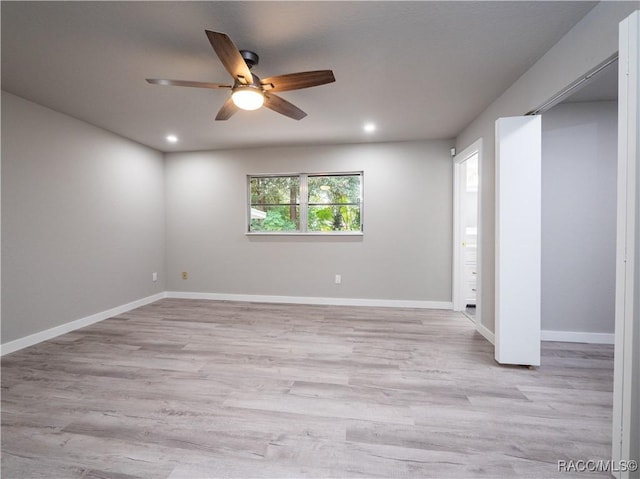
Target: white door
[(518, 240), (626, 380)]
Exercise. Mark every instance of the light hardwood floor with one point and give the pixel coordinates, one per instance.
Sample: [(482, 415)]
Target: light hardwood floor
[(192, 389)]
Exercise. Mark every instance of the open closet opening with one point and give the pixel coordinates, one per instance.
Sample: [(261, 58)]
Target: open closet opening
[(579, 184)]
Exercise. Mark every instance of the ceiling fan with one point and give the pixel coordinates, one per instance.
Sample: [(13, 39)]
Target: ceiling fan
[(249, 92)]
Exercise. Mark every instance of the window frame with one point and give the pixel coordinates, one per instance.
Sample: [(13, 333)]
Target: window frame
[(304, 205)]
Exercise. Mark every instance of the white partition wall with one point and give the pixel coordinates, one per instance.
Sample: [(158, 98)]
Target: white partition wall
[(518, 240)]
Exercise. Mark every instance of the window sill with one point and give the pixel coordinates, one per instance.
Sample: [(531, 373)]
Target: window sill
[(298, 233)]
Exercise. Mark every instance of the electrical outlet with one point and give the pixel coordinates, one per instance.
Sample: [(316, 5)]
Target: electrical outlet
[(338, 279), (185, 275), (154, 276)]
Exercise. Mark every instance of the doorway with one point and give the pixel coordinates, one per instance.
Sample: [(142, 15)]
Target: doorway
[(466, 250)]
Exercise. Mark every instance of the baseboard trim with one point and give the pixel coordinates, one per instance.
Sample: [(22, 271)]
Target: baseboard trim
[(252, 298), (36, 338), (559, 336), (577, 337), (545, 335), (488, 335)]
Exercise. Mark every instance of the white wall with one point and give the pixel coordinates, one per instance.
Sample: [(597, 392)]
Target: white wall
[(589, 43), (579, 183), (404, 254), (82, 219)]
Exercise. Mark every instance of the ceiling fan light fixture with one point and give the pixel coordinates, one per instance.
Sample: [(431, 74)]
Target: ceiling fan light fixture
[(247, 97)]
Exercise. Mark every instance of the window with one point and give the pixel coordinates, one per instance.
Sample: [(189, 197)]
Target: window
[(305, 203)]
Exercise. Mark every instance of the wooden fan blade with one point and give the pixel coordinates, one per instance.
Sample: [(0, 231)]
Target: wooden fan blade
[(195, 84), (282, 106), (227, 110), (297, 81), (230, 57)]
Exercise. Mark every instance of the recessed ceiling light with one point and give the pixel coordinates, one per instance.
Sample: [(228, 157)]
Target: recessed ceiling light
[(369, 127), (172, 138)]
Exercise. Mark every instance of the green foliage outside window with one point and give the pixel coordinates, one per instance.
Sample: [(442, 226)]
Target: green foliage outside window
[(333, 203), (278, 219)]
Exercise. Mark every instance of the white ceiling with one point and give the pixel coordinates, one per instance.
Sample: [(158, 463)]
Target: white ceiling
[(419, 70)]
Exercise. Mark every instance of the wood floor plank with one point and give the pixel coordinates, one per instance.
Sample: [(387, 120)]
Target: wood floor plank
[(188, 389)]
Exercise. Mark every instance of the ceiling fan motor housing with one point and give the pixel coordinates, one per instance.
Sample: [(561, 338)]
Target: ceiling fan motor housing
[(250, 58)]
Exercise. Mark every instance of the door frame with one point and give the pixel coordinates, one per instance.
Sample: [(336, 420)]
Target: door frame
[(627, 316), (457, 279)]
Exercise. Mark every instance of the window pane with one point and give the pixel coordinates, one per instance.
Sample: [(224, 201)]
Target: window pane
[(334, 218), (334, 189), (274, 190), (275, 218)]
